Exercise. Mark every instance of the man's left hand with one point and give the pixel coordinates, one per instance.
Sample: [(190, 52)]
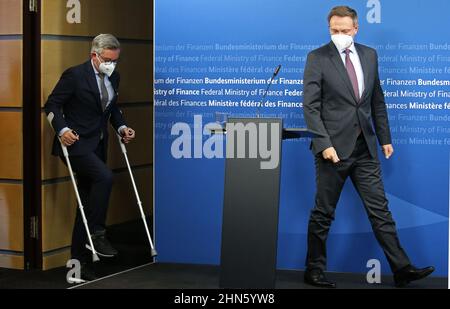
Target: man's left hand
[(388, 150), (128, 135)]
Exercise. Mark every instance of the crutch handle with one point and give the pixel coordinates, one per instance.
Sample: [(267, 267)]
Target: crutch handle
[(64, 147), (122, 145)]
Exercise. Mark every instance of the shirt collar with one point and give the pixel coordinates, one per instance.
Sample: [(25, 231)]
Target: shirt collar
[(352, 49), (93, 66)]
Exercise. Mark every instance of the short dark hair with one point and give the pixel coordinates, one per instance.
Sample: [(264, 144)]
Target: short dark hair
[(343, 11)]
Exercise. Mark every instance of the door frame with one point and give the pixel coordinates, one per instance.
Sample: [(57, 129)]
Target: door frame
[(31, 131)]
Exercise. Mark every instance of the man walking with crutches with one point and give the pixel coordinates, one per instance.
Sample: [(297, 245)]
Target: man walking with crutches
[(78, 109)]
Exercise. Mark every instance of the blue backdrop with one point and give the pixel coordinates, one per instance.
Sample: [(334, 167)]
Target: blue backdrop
[(228, 49)]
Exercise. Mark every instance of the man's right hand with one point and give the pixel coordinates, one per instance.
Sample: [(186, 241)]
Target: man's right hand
[(330, 154), (69, 138)]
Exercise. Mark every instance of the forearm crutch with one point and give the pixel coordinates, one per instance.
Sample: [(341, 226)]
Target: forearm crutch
[(80, 205), (124, 151)]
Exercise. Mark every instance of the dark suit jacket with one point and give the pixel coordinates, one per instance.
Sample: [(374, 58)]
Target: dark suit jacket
[(331, 109), (75, 103)]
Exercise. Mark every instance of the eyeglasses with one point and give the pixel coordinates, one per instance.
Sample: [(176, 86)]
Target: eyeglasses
[(107, 60)]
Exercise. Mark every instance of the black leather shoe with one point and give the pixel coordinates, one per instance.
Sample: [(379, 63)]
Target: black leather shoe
[(102, 245), (411, 273), (316, 277)]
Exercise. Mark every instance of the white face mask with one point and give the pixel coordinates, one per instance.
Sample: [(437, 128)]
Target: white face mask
[(106, 67), (342, 41)]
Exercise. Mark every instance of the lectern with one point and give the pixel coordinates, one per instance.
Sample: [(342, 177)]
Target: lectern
[(251, 201)]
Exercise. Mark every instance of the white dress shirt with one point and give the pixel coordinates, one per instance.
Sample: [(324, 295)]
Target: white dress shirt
[(357, 64)]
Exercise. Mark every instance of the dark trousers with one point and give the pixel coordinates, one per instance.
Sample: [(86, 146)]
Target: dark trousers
[(365, 173), (94, 181)]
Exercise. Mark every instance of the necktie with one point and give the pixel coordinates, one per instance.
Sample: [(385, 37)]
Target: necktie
[(104, 91), (351, 73)]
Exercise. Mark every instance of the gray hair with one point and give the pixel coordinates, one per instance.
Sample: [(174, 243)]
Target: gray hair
[(104, 41)]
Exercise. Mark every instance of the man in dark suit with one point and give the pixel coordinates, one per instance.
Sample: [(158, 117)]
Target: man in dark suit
[(344, 104), (78, 109)]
